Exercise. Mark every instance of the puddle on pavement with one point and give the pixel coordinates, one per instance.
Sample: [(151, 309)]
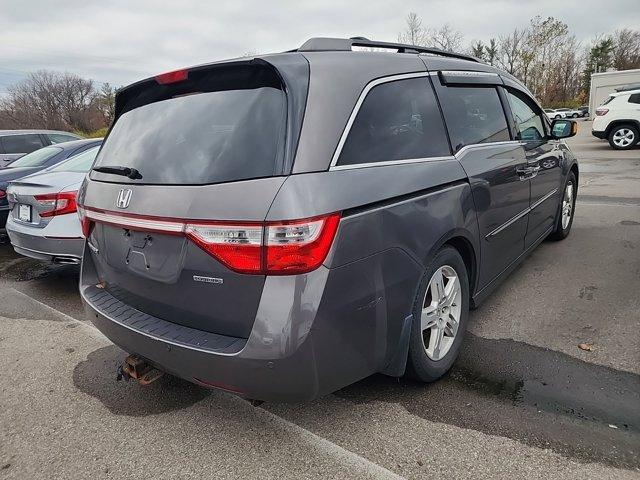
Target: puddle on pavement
[(537, 396), (96, 376)]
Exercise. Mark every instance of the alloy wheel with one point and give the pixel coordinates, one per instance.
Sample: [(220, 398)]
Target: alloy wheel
[(567, 205), (623, 137), (441, 309)]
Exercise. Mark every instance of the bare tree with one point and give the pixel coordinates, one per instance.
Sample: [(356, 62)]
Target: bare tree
[(445, 38), (626, 50), (51, 100), (414, 33), (509, 50)]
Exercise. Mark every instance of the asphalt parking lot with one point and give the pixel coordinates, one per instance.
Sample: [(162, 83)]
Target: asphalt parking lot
[(523, 401)]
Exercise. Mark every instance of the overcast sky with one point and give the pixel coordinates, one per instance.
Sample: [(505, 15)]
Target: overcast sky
[(120, 41)]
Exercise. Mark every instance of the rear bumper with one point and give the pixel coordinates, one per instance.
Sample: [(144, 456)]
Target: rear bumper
[(275, 379), (312, 334), (598, 134), (33, 242)]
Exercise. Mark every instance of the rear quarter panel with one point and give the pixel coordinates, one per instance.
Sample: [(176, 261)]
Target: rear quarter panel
[(394, 219)]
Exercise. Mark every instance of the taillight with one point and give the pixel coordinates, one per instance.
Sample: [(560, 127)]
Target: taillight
[(57, 203), (300, 246), (172, 77), (3, 194), (264, 248), (239, 247), (601, 111), (272, 248), (85, 222)]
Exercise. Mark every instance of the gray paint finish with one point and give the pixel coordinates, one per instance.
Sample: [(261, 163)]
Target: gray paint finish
[(310, 334)]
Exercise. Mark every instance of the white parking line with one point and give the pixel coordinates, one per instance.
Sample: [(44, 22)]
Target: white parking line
[(321, 444), (91, 330)]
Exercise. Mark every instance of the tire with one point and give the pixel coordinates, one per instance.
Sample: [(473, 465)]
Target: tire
[(624, 137), (429, 367), (557, 117), (575, 115), (562, 228)]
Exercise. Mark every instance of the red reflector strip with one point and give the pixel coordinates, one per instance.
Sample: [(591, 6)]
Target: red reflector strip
[(172, 77)]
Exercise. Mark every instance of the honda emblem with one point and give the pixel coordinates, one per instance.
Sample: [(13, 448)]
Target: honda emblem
[(124, 197)]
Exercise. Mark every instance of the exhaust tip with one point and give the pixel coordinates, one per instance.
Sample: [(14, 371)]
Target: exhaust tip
[(66, 261)]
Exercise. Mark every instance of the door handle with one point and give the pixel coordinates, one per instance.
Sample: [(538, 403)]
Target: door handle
[(527, 172)]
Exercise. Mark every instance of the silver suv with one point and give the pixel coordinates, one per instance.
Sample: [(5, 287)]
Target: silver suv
[(285, 225)]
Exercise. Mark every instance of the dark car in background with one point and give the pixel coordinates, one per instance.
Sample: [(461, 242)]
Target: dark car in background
[(34, 162), (584, 110), (16, 143), (296, 222)]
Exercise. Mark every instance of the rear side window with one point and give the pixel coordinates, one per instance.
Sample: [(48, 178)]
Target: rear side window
[(37, 158), (200, 138), (529, 123), (60, 137), (21, 143), (473, 115), (398, 120), (634, 98)]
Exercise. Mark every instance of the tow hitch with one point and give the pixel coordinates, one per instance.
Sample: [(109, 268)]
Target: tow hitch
[(138, 369)]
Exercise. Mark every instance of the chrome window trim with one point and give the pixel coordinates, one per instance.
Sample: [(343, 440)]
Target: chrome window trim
[(391, 162), (474, 146)]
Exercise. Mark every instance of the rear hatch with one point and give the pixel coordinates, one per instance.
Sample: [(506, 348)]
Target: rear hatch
[(193, 155)]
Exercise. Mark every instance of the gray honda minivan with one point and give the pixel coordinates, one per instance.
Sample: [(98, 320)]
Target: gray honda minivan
[(285, 225)]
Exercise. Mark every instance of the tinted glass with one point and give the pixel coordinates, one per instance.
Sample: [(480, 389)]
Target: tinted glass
[(473, 115), (397, 121), (528, 121), (37, 158), (634, 98), (78, 163), (201, 138), (60, 137), (21, 143)]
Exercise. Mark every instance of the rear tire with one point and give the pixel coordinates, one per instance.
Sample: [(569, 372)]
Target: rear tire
[(575, 115), (566, 207), (624, 137), (439, 320)]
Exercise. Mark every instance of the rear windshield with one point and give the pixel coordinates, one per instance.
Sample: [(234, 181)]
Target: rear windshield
[(200, 138), (80, 163), (37, 158)]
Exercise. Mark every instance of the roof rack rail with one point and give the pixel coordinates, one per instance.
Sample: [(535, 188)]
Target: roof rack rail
[(321, 44), (626, 88)]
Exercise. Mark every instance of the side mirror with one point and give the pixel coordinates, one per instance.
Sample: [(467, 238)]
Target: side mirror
[(562, 128)]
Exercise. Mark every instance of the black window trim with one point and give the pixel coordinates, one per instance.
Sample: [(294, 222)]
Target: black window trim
[(531, 103), (345, 133), (506, 111)]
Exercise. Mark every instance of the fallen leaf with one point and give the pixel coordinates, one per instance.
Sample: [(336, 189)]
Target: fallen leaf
[(586, 347)]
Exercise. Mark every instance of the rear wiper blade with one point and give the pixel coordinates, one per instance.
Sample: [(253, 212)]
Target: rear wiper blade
[(124, 171)]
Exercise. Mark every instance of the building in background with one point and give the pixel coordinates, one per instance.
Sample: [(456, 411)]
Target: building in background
[(605, 83)]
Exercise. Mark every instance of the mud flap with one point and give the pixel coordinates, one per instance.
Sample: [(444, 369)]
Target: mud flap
[(398, 363)]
